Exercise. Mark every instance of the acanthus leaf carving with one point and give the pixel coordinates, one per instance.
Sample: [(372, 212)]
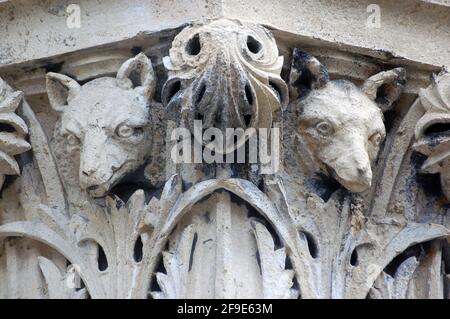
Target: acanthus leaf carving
[(177, 263), (57, 283), (396, 287), (117, 231), (226, 73), (431, 131), (12, 133), (277, 280)]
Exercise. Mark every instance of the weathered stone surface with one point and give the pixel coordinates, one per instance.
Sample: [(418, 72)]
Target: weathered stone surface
[(357, 206)]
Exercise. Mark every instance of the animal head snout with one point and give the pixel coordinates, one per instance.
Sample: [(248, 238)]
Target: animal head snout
[(353, 172), (93, 175), (349, 165)]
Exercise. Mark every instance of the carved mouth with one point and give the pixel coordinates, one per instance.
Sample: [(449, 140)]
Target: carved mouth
[(101, 190), (355, 186)]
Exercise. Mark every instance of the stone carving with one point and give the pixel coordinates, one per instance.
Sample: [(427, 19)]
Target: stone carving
[(432, 130), (110, 246), (227, 74), (341, 124), (199, 234), (106, 122), (396, 287), (340, 238), (13, 131)]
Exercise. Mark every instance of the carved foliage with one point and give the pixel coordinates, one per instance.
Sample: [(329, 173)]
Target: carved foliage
[(225, 73), (432, 130), (111, 247), (13, 131)]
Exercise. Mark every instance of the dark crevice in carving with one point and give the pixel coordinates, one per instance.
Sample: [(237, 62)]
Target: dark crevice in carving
[(417, 251), (199, 116), (191, 257), (277, 90), (254, 214), (173, 89), (382, 94), (7, 128), (446, 256), (133, 181), (101, 258), (247, 120), (53, 67), (324, 186), (312, 245), (438, 129), (446, 267), (193, 46), (249, 94), (390, 117), (136, 50), (354, 260), (258, 261), (253, 45), (201, 93), (138, 250), (154, 287), (429, 183)]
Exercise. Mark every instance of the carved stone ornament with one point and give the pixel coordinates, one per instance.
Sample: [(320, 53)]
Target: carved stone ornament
[(100, 209), (433, 128), (227, 74), (12, 133)]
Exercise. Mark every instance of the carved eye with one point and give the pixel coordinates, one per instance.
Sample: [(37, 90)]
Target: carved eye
[(72, 140), (125, 131), (376, 139), (324, 128)]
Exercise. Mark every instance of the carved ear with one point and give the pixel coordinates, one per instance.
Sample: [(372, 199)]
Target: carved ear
[(60, 89), (385, 87), (307, 73), (138, 74)]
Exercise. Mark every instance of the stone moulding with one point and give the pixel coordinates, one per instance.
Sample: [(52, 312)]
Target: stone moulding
[(348, 215)]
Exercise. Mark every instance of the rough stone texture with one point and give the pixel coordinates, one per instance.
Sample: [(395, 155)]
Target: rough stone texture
[(340, 22), (358, 208)]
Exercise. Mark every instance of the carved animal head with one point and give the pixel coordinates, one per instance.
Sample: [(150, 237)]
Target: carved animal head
[(341, 124), (106, 122)]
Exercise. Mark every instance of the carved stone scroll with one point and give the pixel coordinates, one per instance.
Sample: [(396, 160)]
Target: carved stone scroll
[(227, 74)]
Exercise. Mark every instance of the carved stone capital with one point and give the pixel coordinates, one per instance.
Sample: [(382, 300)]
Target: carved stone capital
[(225, 73), (352, 212)]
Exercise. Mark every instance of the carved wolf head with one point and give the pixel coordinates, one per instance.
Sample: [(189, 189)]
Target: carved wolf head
[(341, 124), (106, 122)]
